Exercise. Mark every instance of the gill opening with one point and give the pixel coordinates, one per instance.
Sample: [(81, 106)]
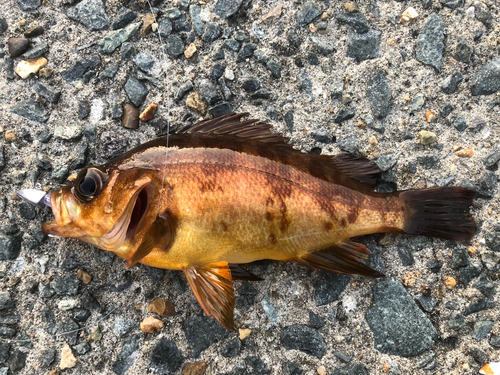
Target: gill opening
[(164, 59)]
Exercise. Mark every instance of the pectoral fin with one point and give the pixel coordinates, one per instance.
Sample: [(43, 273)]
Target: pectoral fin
[(343, 258), (212, 286)]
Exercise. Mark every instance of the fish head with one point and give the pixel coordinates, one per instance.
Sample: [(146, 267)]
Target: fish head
[(102, 206)]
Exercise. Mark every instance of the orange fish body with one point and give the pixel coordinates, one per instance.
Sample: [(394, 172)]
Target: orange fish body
[(228, 192)]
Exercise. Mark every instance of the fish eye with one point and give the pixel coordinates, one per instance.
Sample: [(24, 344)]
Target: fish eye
[(89, 184)]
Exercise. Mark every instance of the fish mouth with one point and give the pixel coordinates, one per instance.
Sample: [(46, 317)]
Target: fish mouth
[(138, 212)]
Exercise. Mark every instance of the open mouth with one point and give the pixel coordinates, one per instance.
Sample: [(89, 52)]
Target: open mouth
[(140, 207)]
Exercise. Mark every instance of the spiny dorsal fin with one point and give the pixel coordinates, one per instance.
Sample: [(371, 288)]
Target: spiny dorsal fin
[(212, 286)]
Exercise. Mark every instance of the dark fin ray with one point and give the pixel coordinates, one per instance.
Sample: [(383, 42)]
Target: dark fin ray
[(239, 273), (439, 212), (344, 258), (212, 286), (360, 169)]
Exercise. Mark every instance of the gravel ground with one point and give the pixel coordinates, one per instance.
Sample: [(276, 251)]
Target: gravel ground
[(419, 95)]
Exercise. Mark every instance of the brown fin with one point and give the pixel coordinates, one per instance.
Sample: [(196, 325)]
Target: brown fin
[(246, 136), (239, 273), (159, 235), (212, 286), (343, 258), (439, 212)]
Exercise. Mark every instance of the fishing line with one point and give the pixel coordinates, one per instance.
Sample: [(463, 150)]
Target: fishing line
[(164, 59)]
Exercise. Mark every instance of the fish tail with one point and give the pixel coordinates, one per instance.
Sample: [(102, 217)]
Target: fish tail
[(439, 212)]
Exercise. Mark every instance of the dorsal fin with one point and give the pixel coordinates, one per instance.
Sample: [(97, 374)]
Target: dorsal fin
[(230, 132)]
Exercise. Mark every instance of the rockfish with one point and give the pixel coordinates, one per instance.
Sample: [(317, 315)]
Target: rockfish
[(226, 191)]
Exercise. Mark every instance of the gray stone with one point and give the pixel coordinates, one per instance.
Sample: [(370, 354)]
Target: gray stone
[(364, 46), (209, 92), (7, 332), (123, 17), (60, 173), (165, 28), (379, 94), (3, 26), (49, 93), (492, 159), (429, 46), (250, 84), (316, 321), (29, 4), (114, 39), (307, 13), (456, 322), (10, 245), (212, 32), (201, 332), (451, 83), (80, 68), (172, 13), (325, 48), (246, 52), (183, 90), (427, 303), (486, 287), (30, 109), (352, 369), (230, 348), (274, 68), (483, 15), (344, 114), (116, 110), (495, 341), (321, 135), (109, 72), (269, 309), (479, 305), (129, 351), (196, 22), (37, 51), (82, 348), (123, 326), (357, 21), (460, 123), (47, 358), (175, 45), (399, 327), (90, 13), (304, 82), (487, 80), (5, 301), (65, 285), (459, 258), (136, 91), (386, 162), (470, 272), (144, 61), (227, 8), (482, 329), (126, 50), (463, 53), (303, 338), (329, 286), (17, 361), (452, 4)]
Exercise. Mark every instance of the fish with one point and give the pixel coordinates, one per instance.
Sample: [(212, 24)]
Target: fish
[(228, 191)]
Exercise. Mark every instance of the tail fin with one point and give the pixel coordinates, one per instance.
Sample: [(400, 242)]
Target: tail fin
[(439, 212)]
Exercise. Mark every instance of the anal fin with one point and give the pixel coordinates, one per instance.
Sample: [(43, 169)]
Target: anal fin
[(212, 286), (239, 273), (342, 258)]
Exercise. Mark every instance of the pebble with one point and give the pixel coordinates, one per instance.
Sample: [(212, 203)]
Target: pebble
[(3, 26), (482, 329), (172, 13), (483, 15), (325, 48), (68, 359), (115, 39), (183, 90), (465, 153), (231, 348), (194, 368), (329, 286), (316, 321), (430, 117), (495, 341), (116, 110), (321, 370), (65, 285), (303, 338), (25, 69), (212, 32), (357, 21), (426, 137), (126, 50), (365, 46), (321, 135), (209, 92), (30, 109), (246, 52), (428, 303), (456, 322), (429, 46), (269, 309), (5, 301), (449, 282), (492, 159), (221, 109), (250, 84), (149, 112), (463, 53), (274, 69), (91, 13), (127, 355), (49, 93), (232, 45), (196, 22), (409, 16), (351, 7), (161, 307), (175, 46), (352, 369), (7, 332), (451, 83), (290, 368), (190, 51), (17, 46), (386, 162), (246, 299), (255, 365), (196, 102), (244, 333), (136, 91), (479, 305), (47, 358), (344, 114), (123, 17), (487, 80), (379, 94), (201, 332), (151, 325), (68, 132), (123, 326), (29, 4), (67, 304), (452, 4), (37, 51), (307, 13), (460, 124), (227, 8), (485, 286), (80, 68), (399, 327)]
